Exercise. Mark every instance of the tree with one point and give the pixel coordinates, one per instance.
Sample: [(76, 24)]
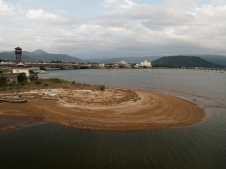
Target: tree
[(22, 78), (3, 81), (33, 75), (56, 61)]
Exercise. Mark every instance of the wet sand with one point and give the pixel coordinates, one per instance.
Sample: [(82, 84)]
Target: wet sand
[(115, 109), (10, 123)]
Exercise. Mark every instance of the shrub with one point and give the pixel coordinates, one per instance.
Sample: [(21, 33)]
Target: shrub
[(102, 87), (46, 84), (38, 82), (3, 81), (13, 82), (33, 75), (66, 85), (22, 78)]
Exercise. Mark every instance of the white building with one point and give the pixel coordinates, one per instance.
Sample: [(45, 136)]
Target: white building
[(145, 63), (101, 64), (20, 68), (122, 63)]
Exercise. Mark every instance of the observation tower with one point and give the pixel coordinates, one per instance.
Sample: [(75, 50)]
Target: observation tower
[(18, 52)]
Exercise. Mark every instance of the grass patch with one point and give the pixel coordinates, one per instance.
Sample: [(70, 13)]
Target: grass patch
[(53, 83), (5, 70), (102, 87), (56, 80), (38, 82)]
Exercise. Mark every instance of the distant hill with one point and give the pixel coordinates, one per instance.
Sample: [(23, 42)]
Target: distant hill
[(39, 55), (218, 59), (185, 61), (127, 59), (39, 52)]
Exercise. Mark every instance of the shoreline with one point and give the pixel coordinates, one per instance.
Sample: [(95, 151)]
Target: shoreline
[(115, 109)]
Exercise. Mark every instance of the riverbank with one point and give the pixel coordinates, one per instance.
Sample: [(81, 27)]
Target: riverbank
[(114, 109)]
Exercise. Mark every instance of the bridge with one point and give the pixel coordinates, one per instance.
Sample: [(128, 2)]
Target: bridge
[(45, 66)]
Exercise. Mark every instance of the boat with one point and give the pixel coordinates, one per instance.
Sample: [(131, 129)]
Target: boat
[(12, 100)]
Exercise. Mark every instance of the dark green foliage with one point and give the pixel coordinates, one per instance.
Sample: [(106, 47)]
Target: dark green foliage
[(3, 81), (46, 84), (33, 75), (57, 61), (22, 78)]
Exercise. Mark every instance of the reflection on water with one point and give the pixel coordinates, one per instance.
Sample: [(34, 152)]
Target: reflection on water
[(201, 145)]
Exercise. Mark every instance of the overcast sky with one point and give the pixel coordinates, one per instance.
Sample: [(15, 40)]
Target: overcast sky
[(114, 28)]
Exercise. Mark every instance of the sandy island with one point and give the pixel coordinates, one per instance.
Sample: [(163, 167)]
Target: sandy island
[(114, 109)]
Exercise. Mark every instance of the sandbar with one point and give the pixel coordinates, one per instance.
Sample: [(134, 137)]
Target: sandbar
[(115, 109)]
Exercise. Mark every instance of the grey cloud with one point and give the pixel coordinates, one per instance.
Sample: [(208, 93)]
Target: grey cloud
[(136, 31)]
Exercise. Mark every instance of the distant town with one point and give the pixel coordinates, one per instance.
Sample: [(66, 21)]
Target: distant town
[(182, 62), (82, 65)]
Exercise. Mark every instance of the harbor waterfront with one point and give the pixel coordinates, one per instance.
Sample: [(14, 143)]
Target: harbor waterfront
[(202, 145)]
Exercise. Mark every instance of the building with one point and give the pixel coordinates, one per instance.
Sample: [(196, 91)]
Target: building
[(19, 67), (18, 52), (145, 64), (101, 64), (122, 63), (135, 65)]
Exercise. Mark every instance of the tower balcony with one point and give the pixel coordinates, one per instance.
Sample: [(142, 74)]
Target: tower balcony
[(18, 52)]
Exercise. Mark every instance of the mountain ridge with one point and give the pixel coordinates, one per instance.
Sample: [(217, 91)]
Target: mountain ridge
[(185, 61), (217, 59), (39, 52), (39, 56)]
